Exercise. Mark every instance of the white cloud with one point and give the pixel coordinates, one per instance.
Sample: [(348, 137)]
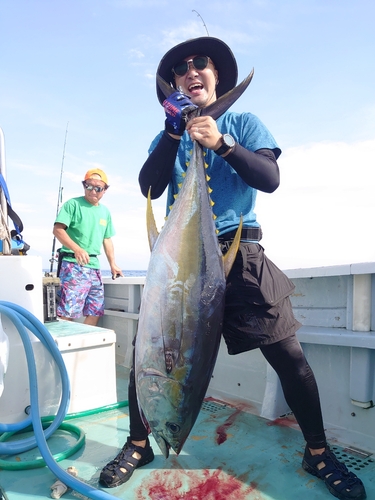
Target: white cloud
[(323, 210), (136, 54)]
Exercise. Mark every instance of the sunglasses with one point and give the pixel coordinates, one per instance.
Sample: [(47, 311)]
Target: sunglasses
[(89, 187), (198, 62)]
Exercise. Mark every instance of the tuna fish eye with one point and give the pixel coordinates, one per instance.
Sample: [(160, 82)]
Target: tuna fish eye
[(174, 428)]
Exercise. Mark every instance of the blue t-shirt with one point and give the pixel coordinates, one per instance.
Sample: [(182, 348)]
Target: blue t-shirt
[(232, 197)]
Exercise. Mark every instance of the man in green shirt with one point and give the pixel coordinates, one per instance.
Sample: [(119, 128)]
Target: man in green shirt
[(82, 226)]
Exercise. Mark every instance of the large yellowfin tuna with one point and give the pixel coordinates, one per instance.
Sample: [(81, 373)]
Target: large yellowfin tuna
[(182, 305)]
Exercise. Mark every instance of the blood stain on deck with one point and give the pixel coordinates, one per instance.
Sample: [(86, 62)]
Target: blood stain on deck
[(283, 422), (221, 430), (190, 485)]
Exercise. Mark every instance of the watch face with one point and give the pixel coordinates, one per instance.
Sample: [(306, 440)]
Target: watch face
[(228, 140)]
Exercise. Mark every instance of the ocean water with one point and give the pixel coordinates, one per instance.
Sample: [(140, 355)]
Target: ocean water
[(125, 273)]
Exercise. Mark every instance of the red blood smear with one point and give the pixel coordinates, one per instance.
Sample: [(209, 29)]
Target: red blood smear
[(221, 431), (190, 485), (282, 422)]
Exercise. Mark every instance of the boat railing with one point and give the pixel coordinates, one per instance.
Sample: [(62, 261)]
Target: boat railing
[(6, 242)]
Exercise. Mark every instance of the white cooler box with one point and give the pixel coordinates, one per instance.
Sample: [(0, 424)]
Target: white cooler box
[(89, 356), (88, 352)]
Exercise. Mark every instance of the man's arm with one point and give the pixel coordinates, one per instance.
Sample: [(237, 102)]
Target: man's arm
[(110, 254), (259, 170), (59, 231), (157, 169)]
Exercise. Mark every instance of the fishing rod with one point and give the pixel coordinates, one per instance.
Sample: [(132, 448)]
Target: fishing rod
[(59, 200), (204, 24)]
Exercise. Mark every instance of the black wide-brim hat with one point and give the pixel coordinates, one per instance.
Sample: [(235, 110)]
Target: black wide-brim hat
[(217, 50)]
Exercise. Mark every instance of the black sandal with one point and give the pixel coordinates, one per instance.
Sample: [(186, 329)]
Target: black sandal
[(120, 469), (349, 487)]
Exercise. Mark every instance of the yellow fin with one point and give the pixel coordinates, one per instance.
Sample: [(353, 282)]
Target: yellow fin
[(230, 256), (152, 230)]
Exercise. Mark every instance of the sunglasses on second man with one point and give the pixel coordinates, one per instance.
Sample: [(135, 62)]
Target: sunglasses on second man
[(89, 187), (198, 62)]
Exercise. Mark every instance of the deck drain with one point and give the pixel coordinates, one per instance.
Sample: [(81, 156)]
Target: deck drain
[(353, 459), (213, 406)]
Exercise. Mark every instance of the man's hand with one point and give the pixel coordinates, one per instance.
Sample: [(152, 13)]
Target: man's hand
[(204, 130), (116, 272), (176, 107), (81, 256)]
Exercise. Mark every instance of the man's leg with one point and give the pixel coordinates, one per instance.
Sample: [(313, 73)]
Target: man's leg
[(301, 393), (91, 320)]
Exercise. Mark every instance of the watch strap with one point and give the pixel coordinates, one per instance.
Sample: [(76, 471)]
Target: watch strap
[(222, 149)]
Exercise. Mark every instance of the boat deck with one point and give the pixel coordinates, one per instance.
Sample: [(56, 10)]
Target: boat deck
[(230, 454)]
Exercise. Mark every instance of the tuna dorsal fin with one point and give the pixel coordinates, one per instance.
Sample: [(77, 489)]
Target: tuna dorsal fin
[(152, 230), (222, 104), (230, 256)]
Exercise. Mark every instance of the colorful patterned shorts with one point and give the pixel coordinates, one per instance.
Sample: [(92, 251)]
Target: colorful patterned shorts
[(81, 293)]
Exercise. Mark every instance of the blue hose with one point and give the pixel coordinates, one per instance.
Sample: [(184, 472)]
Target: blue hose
[(21, 319)]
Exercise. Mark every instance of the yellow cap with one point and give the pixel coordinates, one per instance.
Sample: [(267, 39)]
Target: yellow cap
[(96, 171)]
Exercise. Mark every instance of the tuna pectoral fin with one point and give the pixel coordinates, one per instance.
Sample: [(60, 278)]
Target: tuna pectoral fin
[(152, 231), (230, 256)]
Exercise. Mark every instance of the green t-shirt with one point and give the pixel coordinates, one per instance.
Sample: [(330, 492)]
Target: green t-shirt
[(87, 225)]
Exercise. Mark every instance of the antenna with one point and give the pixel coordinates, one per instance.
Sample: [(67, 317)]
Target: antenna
[(59, 200), (204, 24)]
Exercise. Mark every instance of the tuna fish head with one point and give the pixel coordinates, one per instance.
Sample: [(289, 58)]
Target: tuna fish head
[(171, 408)]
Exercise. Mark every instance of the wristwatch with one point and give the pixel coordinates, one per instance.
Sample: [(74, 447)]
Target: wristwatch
[(228, 143)]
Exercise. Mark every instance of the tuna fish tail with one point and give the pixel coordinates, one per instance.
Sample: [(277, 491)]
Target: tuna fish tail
[(218, 107), (221, 105)]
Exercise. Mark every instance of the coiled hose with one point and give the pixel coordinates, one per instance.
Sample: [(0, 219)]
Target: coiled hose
[(23, 319)]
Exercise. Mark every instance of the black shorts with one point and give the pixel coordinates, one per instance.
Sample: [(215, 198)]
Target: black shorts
[(258, 310)]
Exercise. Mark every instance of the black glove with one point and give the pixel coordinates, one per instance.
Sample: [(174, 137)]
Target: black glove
[(177, 106)]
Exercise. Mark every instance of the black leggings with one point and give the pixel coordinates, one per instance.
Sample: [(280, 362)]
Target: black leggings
[(297, 380), (299, 386)]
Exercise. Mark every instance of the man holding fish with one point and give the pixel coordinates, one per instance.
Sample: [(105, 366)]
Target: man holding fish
[(240, 157)]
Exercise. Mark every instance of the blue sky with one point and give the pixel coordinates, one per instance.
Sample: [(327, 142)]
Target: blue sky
[(88, 67)]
